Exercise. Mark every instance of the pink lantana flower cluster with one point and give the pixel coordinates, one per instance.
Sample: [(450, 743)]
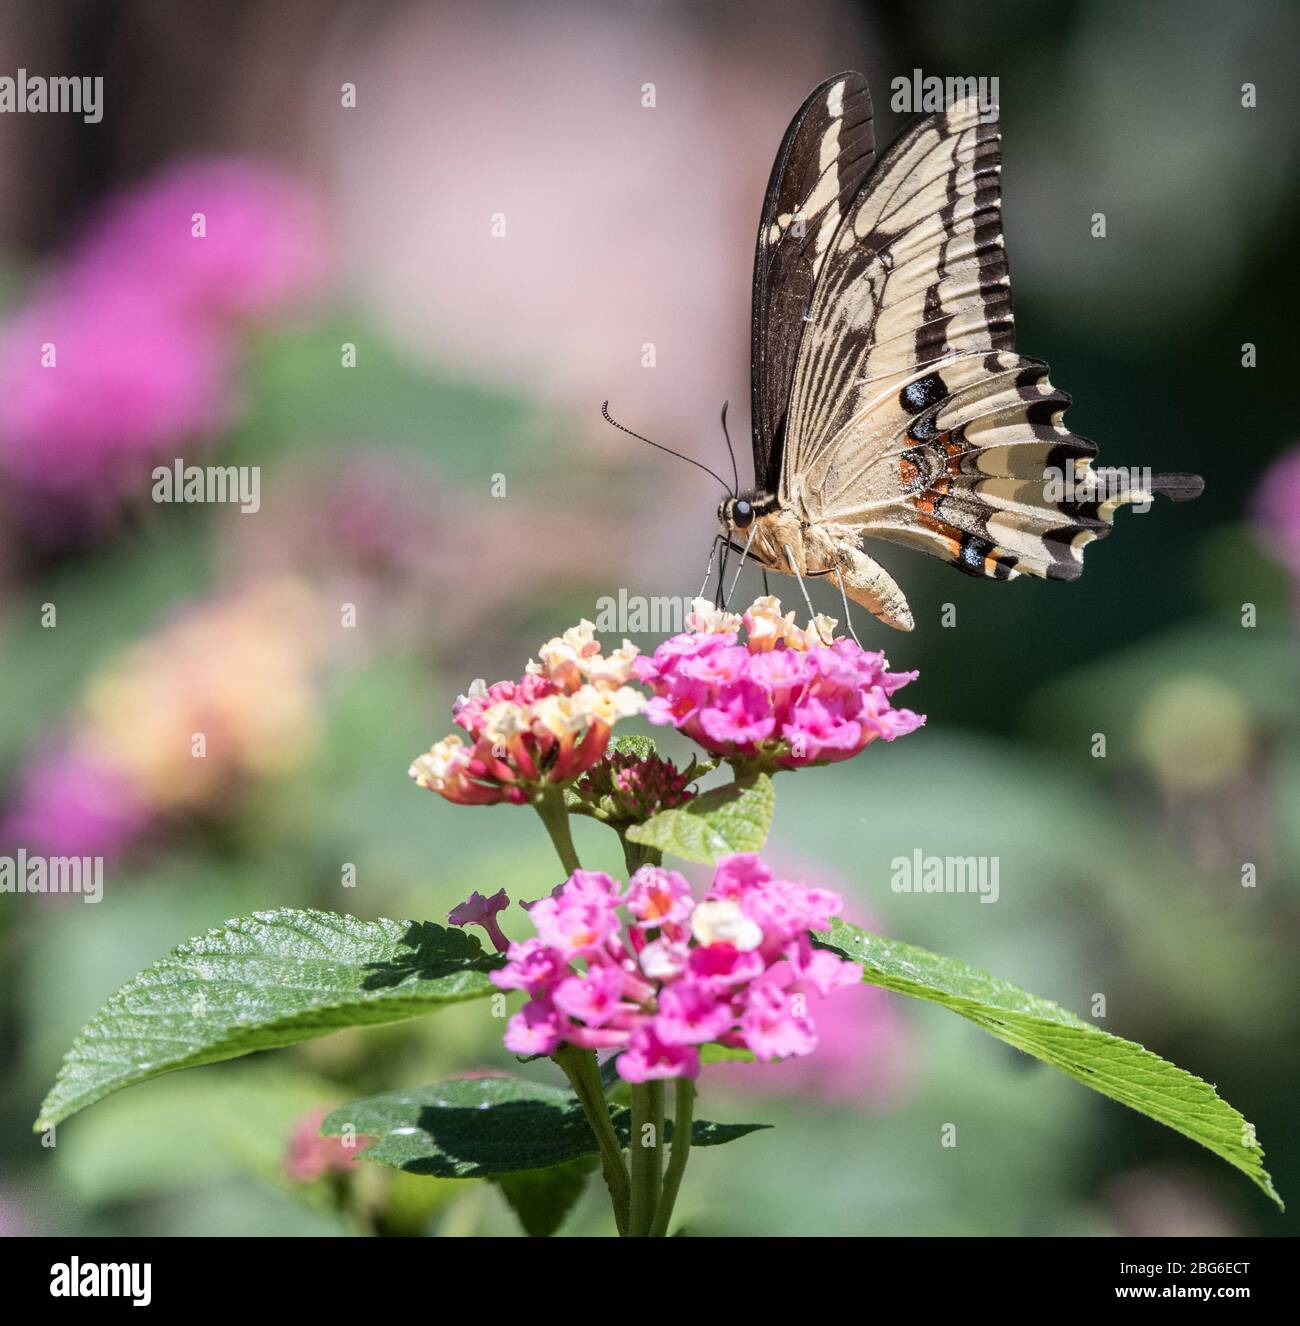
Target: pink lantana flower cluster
[(549, 727), (785, 697), (654, 974)]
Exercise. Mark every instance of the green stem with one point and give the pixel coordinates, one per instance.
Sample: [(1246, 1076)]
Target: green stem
[(683, 1122), (657, 1114), (584, 1076), (647, 1109), (554, 814), (745, 771), (636, 855)]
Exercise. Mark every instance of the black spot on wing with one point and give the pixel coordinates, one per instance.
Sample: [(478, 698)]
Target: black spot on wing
[(975, 553), (972, 554), (922, 393), (924, 426)]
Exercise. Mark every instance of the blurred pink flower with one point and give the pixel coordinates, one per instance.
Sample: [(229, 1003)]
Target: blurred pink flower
[(554, 305), (1276, 509), (262, 242), (309, 1155), (122, 357), (125, 382), (71, 804)]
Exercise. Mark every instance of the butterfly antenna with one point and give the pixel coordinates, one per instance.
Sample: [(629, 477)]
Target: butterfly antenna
[(731, 451), (609, 419)]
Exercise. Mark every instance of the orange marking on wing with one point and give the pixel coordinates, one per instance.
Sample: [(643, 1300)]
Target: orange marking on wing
[(950, 536), (928, 501)]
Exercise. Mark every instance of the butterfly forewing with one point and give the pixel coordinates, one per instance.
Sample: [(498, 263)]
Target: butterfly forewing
[(827, 152), (916, 273)]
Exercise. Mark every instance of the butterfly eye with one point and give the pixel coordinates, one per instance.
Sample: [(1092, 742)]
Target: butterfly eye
[(742, 513)]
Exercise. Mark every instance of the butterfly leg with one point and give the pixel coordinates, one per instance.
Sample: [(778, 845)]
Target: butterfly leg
[(844, 598), (869, 584), (708, 570), (741, 567), (794, 571)]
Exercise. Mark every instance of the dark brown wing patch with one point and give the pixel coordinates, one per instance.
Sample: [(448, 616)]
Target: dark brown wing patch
[(824, 157)]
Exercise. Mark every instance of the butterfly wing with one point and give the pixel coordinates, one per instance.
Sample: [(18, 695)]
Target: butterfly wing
[(911, 417), (824, 157)]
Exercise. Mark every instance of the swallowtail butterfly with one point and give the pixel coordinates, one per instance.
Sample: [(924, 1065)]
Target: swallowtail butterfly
[(888, 399)]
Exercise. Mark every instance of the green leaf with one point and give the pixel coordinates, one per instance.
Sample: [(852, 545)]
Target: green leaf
[(273, 978), (541, 1198), (734, 818), (1117, 1068), (474, 1128)]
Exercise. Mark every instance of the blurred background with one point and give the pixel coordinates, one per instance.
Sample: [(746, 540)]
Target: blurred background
[(505, 234)]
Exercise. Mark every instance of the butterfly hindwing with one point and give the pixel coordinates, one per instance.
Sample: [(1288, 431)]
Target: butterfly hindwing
[(968, 475), (823, 159)]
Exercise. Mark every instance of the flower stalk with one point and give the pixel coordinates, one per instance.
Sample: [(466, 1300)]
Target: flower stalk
[(683, 1123), (551, 810), (579, 1065), (647, 1154), (636, 855), (580, 1068)]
